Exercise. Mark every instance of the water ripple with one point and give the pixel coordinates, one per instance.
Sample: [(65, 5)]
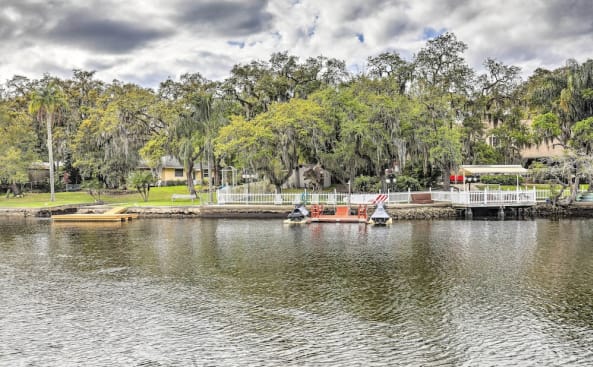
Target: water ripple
[(254, 293)]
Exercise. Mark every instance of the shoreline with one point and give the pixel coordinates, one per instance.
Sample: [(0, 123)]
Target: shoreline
[(397, 212)]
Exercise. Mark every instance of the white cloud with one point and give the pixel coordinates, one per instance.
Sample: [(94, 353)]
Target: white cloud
[(144, 40)]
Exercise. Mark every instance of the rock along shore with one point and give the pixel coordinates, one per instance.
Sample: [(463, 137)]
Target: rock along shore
[(398, 212)]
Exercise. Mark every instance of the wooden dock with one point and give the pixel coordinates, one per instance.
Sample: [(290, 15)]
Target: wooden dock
[(116, 214)]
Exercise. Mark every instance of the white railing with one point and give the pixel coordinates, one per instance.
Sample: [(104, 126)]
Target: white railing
[(543, 195), (325, 198), (493, 198)]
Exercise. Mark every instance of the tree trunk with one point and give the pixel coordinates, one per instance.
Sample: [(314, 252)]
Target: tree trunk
[(575, 189), (190, 176), (50, 152), (16, 191), (446, 169)]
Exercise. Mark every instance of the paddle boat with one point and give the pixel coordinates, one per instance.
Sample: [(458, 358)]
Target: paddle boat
[(380, 217), (299, 215)]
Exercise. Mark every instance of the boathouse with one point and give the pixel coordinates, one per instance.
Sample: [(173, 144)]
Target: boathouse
[(469, 201)]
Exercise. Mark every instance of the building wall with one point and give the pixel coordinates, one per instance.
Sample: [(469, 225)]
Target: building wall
[(539, 151), (171, 174)]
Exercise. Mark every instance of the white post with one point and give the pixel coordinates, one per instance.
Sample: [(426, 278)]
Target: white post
[(409, 195), (464, 181), (486, 195)]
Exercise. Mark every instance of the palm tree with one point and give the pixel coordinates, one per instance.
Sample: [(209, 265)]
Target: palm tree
[(45, 102)]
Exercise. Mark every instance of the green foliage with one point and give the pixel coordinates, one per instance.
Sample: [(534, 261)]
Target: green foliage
[(582, 135), (107, 142), (486, 154), (141, 180), (45, 103), (427, 115), (94, 188), (407, 182), (16, 145), (546, 128), (273, 142), (366, 184), (508, 180)]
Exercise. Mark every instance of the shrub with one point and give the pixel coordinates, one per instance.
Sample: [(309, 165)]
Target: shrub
[(508, 180), (404, 183), (367, 184)]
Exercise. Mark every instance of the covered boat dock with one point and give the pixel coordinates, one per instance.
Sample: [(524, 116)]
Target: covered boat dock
[(468, 200)]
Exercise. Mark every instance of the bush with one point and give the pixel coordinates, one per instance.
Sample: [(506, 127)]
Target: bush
[(507, 180), (366, 184), (404, 183)]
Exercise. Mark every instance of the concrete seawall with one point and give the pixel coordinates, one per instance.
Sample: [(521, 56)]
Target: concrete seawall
[(398, 212)]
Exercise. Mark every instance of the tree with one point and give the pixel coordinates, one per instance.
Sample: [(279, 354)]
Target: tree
[(107, 143), (141, 180), (46, 102), (17, 145), (273, 142), (193, 113), (259, 84), (546, 128), (566, 171), (582, 136), (445, 151), (563, 97), (392, 68)]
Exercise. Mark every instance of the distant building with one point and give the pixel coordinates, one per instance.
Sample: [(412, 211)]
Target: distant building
[(532, 153), (170, 171)]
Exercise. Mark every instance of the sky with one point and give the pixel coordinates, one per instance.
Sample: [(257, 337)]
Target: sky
[(148, 41)]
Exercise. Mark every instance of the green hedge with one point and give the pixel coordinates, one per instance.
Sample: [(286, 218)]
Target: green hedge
[(501, 179)]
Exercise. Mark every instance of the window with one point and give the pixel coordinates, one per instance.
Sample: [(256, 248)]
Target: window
[(178, 172)]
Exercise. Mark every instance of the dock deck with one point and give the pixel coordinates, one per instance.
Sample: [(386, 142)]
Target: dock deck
[(342, 214), (116, 214)]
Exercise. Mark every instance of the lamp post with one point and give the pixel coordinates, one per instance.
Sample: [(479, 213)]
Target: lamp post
[(349, 193), (390, 178)]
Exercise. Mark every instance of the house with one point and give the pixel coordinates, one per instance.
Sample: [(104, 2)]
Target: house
[(38, 172), (171, 172), (531, 153)]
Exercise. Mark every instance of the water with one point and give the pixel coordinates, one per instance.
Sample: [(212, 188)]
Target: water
[(158, 292)]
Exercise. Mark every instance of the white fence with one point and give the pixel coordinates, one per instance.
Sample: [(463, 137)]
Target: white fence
[(326, 198), (518, 197), (494, 198)]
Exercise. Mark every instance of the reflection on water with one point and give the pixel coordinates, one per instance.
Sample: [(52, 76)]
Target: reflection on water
[(256, 292)]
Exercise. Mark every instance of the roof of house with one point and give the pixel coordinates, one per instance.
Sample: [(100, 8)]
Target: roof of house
[(492, 169)]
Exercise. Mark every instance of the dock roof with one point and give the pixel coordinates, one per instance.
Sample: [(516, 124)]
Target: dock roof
[(502, 169)]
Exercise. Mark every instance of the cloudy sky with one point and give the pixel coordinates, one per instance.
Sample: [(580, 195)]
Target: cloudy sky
[(147, 41)]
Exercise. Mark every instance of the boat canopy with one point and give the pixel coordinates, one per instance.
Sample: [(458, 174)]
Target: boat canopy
[(477, 170)]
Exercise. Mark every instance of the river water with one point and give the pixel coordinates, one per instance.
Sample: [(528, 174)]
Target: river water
[(206, 292)]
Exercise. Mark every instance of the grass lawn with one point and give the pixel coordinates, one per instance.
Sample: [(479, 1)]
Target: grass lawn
[(159, 196)]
